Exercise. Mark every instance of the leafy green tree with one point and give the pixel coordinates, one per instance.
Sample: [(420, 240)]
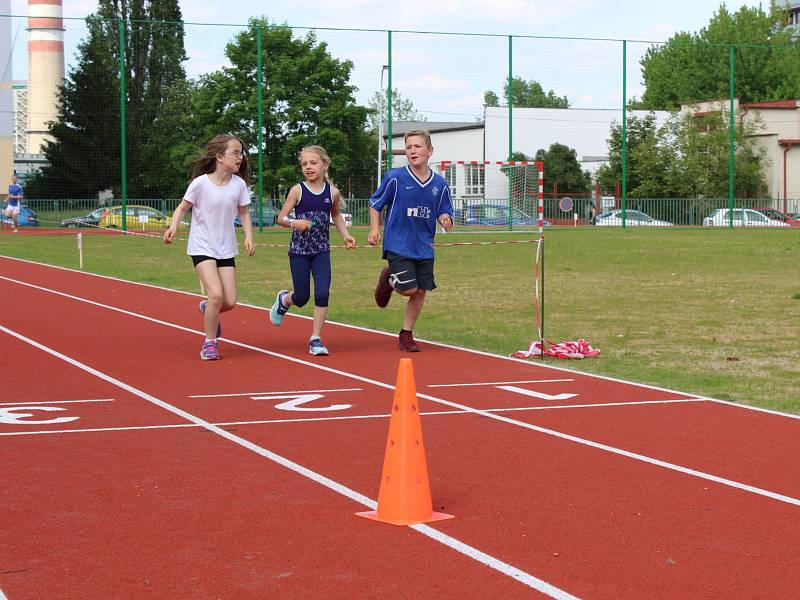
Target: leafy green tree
[(402, 109), (562, 169), (307, 99), (526, 94), (693, 67), (688, 157), (84, 156)]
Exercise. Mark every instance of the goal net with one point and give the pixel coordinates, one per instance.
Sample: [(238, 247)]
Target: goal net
[(484, 191)]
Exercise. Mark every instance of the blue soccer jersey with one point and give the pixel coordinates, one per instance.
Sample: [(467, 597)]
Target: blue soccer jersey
[(412, 209)]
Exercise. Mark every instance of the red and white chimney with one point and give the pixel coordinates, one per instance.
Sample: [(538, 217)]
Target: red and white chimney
[(45, 68)]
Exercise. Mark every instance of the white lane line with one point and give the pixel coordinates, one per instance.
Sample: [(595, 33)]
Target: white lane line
[(56, 402), (646, 459), (445, 385), (470, 551), (268, 393), (336, 418)]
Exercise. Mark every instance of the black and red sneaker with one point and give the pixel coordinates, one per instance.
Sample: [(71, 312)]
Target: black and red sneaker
[(407, 343), (383, 291)]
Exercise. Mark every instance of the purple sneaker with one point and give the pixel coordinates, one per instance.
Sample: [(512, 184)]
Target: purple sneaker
[(210, 350), (202, 307)]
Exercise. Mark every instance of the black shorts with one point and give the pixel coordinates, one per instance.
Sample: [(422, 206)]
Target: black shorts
[(221, 262), (410, 273)]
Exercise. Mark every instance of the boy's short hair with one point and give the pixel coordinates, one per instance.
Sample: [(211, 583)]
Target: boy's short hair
[(422, 133)]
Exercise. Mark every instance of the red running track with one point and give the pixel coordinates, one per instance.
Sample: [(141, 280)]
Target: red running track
[(132, 469)]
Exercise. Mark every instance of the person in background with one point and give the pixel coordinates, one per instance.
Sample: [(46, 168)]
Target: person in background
[(14, 203), (217, 193)]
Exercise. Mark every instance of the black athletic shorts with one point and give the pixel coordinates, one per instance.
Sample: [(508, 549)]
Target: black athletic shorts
[(410, 273), (221, 262)]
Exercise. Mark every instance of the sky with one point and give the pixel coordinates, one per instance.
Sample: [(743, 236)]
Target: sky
[(445, 76)]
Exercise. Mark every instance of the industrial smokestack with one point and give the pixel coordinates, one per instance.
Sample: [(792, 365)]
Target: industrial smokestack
[(45, 68)]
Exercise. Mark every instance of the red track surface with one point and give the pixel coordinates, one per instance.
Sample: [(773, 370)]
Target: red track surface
[(609, 493)]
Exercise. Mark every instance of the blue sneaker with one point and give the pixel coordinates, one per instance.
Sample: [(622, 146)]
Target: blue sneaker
[(202, 307), (316, 348), (278, 309)]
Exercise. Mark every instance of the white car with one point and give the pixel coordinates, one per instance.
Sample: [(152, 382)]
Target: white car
[(633, 218), (742, 217)]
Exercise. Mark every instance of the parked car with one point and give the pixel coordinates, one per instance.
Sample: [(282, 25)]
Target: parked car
[(139, 217), (633, 218), (742, 217), (90, 220), (269, 215), (777, 215), (493, 214), (25, 218)]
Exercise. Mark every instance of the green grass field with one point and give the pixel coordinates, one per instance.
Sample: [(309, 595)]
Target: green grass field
[(713, 312)]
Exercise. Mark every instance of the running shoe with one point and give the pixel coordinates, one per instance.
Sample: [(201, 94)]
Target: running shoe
[(383, 291), (407, 343), (316, 347), (210, 350), (278, 309), (203, 305)]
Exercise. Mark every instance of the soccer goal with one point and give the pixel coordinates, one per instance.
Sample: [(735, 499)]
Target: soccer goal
[(495, 194)]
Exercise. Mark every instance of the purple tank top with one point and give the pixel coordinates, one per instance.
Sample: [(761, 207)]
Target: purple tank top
[(317, 209)]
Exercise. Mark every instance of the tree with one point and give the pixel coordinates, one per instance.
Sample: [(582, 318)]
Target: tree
[(688, 157), (526, 94), (84, 156), (562, 170), (694, 67), (307, 99), (402, 109)]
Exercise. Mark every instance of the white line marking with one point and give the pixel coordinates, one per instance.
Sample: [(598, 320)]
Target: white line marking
[(585, 442), (340, 418), (56, 402), (444, 385), (482, 557), (267, 393), (518, 390)]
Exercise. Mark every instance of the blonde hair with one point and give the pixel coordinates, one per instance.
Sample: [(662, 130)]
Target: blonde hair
[(319, 151), (217, 145), (421, 133)]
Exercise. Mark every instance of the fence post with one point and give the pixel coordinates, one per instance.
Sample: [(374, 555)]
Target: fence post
[(260, 94), (731, 166), (624, 131), (123, 139)]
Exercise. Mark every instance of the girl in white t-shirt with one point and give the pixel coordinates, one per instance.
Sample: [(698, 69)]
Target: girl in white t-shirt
[(217, 193)]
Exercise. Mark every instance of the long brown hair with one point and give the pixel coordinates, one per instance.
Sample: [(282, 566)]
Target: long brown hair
[(218, 144)]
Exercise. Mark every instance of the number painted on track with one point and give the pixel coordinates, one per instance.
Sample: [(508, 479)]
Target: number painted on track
[(296, 400), (524, 392), (12, 416)]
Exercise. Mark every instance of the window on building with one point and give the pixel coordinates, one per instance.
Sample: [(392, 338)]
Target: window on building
[(450, 177), (475, 177)]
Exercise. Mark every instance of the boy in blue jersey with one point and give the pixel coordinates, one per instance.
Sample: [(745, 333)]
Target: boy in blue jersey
[(14, 202), (415, 199)]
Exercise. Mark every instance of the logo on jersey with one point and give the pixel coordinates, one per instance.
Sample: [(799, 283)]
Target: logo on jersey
[(326, 201), (435, 190), (422, 212)]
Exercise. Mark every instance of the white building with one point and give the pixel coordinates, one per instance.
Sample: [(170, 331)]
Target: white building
[(778, 135), (481, 146)]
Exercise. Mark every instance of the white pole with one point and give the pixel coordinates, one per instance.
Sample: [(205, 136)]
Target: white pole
[(380, 127), (80, 251)]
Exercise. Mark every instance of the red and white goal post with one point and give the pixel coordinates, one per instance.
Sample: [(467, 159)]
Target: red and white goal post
[(482, 192)]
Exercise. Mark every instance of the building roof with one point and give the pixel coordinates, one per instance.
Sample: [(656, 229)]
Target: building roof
[(785, 104), (400, 128)]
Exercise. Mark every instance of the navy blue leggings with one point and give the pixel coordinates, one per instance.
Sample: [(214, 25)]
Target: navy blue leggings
[(303, 267)]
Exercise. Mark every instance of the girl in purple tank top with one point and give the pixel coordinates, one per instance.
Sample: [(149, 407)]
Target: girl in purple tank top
[(315, 203)]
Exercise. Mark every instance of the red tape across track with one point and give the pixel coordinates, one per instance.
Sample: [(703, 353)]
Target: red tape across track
[(132, 469)]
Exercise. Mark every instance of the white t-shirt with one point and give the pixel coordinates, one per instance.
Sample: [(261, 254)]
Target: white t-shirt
[(214, 209)]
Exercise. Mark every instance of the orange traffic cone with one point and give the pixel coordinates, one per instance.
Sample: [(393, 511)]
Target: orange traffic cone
[(405, 495)]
